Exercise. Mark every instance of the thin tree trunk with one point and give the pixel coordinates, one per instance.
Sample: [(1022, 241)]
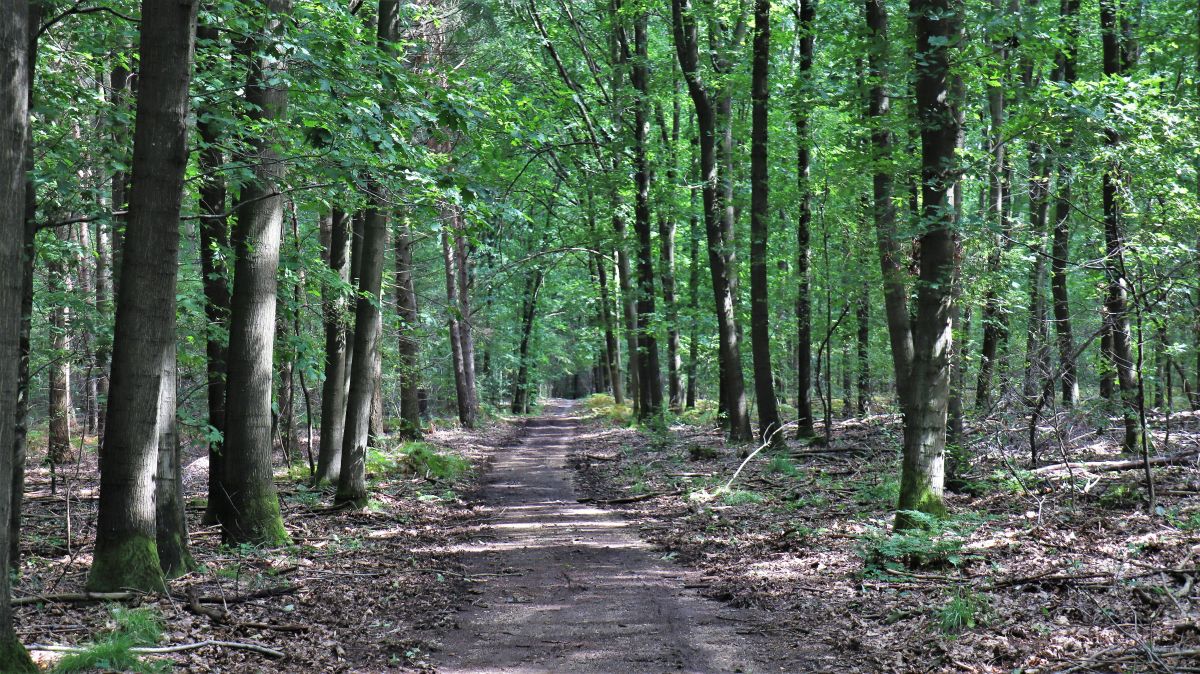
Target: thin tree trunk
[(126, 554), (61, 413), (995, 320), (760, 226), (520, 397), (333, 391), (693, 360), (16, 56), (666, 261), (804, 424), (214, 249), (462, 266), (863, 317), (248, 506), (462, 393), (28, 252), (1115, 51), (409, 347), (1060, 248)]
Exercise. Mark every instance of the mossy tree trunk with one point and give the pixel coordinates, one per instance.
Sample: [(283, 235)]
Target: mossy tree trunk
[(248, 507), (126, 555), (936, 25)]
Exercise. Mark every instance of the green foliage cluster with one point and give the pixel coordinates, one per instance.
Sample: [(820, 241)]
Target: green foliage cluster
[(933, 544), (416, 458), (131, 628)]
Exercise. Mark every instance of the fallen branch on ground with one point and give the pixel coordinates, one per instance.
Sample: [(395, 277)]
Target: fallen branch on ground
[(75, 598), (161, 650), (631, 499), (1109, 466)]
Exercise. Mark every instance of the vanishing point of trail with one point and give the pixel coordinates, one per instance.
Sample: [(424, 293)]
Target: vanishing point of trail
[(572, 588)]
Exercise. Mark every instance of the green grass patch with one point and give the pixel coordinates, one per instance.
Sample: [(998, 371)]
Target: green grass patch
[(963, 612), (740, 497), (781, 465), (133, 628)]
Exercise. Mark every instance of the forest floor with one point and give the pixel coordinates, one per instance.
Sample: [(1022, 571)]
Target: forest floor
[(358, 591), (1059, 570), (572, 588), (568, 543)]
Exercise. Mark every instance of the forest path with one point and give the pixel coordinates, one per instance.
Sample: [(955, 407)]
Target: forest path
[(569, 587)]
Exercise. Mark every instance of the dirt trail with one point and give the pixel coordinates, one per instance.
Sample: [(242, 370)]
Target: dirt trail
[(576, 590)]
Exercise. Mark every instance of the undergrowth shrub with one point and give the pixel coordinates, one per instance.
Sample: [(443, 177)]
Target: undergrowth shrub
[(703, 414), (932, 544), (113, 652), (603, 405), (416, 458)]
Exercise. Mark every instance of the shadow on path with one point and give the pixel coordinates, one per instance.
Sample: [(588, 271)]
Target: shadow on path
[(572, 588)]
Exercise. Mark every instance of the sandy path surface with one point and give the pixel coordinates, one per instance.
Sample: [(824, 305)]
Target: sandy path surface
[(569, 587)]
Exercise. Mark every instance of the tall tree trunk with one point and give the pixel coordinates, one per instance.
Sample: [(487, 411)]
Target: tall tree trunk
[(333, 392), (1060, 248), (625, 281), (169, 504), (995, 318), (104, 308), (667, 224), (352, 482), (804, 424), (409, 347), (126, 554), (214, 267), (1116, 52), (937, 31), (248, 506), (15, 75), (364, 399), (35, 11), (611, 349), (650, 396), (733, 384), (1195, 401), (895, 291), (760, 228)]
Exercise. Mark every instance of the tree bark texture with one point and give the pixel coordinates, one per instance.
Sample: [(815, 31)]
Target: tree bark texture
[(248, 506), (15, 76), (732, 381), (333, 392), (769, 422), (126, 554)]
